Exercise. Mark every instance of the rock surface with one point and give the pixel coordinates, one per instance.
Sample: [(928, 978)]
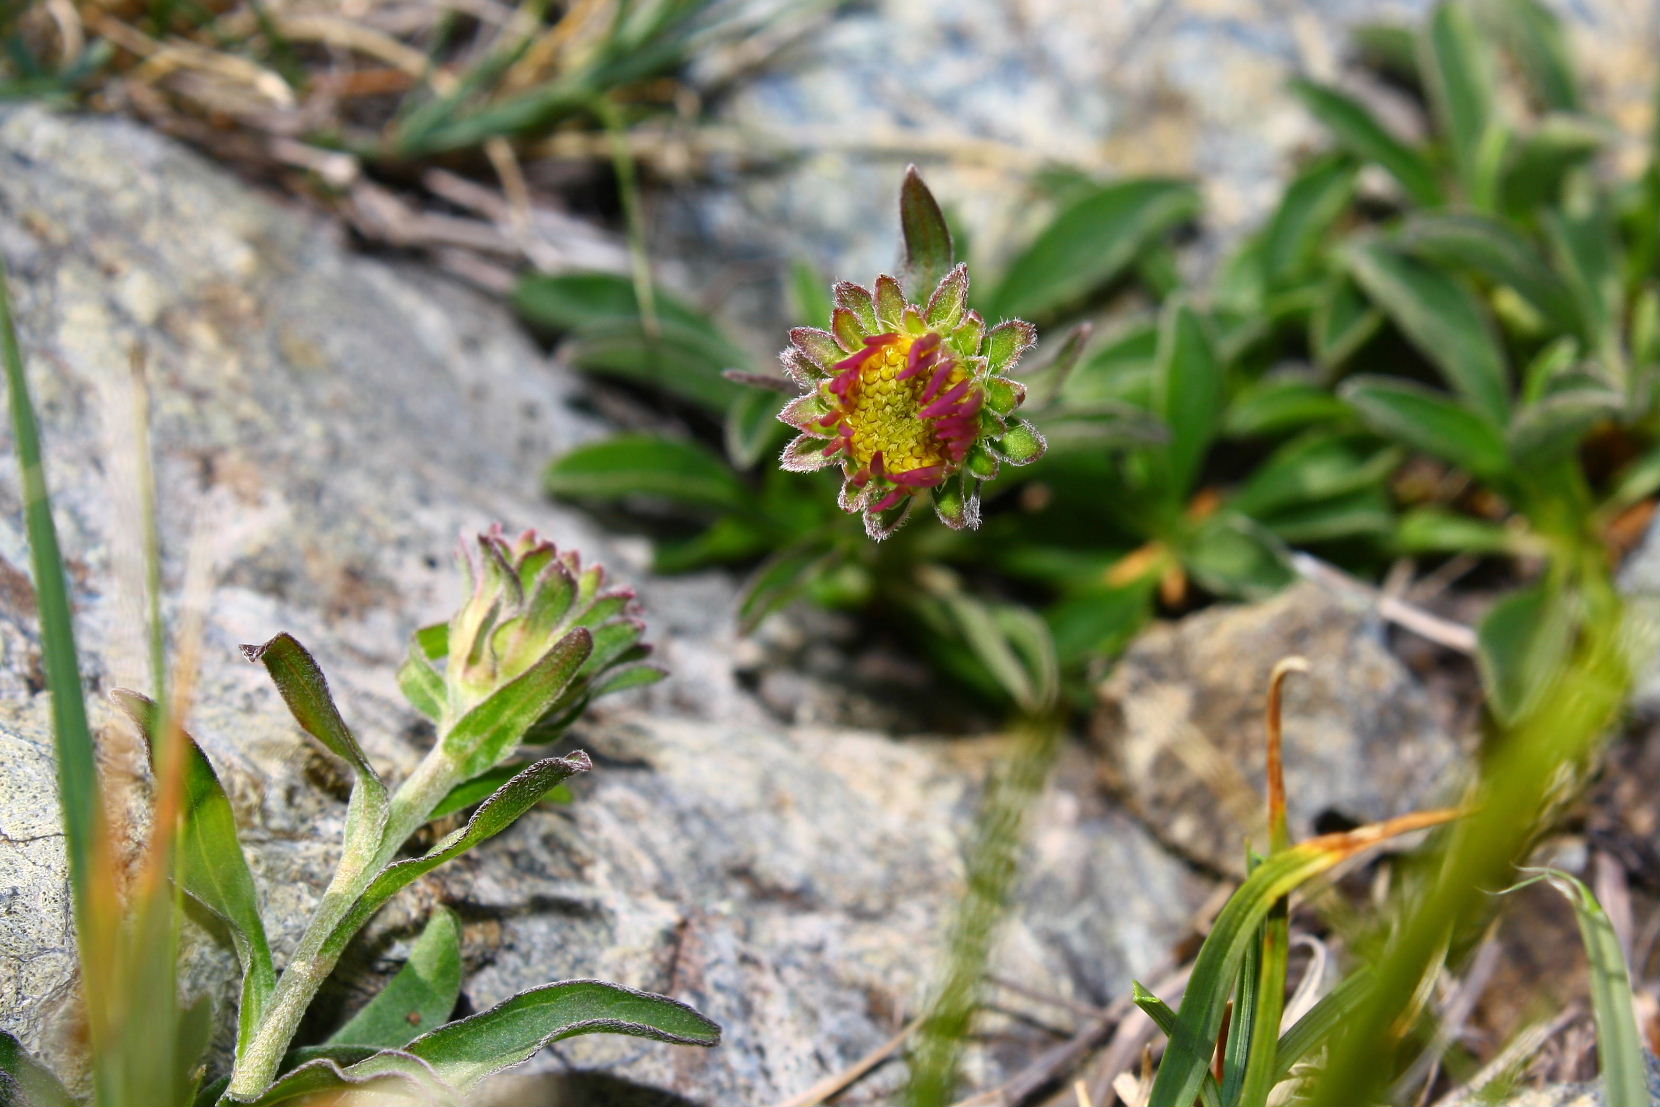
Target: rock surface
[(1181, 725), (328, 423)]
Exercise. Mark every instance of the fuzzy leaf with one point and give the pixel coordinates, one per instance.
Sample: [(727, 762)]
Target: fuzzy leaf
[(1092, 241), (419, 997), (24, 1081), (398, 1079), (1358, 132), (306, 692), (420, 683), (212, 867), (466, 1051), (488, 733), (1189, 393), (1431, 421), (1307, 212), (1497, 252), (646, 465), (1539, 161), (1461, 77), (1443, 319), (949, 301), (1554, 426), (928, 252), (1521, 648), (1344, 320), (856, 300)]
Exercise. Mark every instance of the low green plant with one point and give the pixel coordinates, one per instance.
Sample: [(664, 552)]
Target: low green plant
[(538, 638)]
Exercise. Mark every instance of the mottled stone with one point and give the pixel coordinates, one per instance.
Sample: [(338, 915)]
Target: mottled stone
[(1182, 731), (329, 422)]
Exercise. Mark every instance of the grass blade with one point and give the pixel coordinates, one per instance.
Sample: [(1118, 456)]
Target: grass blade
[(77, 773), (1619, 1046)]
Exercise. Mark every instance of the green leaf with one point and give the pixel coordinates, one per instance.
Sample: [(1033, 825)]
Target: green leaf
[(1534, 35), (809, 292), (1189, 394), (1164, 1017), (1538, 161), (1437, 530), (1313, 467), (78, 790), (212, 868), (780, 579), (1320, 1021), (1587, 252), (1231, 556), (1120, 368), (488, 733), (1443, 319), (1305, 217), (675, 358), (419, 997), (1554, 426), (1092, 241), (1389, 49), (470, 793), (1282, 400), (493, 816), (1099, 623), (632, 465), (1344, 320), (420, 683), (1522, 648), (1620, 1052), (752, 428), (1431, 421), (928, 254), (465, 1052), (304, 689), (24, 1081), (1358, 132), (1494, 250), (1461, 77)]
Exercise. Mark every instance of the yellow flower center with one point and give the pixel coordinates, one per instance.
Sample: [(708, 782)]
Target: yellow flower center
[(885, 411)]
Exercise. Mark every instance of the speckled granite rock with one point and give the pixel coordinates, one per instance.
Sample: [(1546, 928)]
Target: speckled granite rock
[(1182, 730), (331, 422)]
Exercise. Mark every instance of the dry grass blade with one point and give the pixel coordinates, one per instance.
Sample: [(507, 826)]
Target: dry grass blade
[(833, 1085)]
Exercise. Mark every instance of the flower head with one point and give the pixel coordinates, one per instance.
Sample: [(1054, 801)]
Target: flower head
[(537, 626), (908, 400)]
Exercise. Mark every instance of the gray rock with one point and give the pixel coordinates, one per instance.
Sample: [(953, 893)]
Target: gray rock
[(1639, 582), (329, 422), (1181, 725)]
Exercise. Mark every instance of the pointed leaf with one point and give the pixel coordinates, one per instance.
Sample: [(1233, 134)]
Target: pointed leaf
[(1190, 393), (641, 465), (1461, 77), (420, 683), (306, 692), (1431, 421), (488, 733), (421, 995), (1092, 241), (212, 867), (1522, 648), (24, 1081), (1553, 427), (928, 253), (1358, 132), (1531, 31), (1344, 320), (1538, 161), (464, 1052), (1494, 250), (1443, 319), (1307, 212)]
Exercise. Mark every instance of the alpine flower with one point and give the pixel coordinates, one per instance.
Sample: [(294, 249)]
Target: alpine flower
[(910, 400)]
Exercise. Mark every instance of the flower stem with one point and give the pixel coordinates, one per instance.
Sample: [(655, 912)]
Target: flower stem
[(320, 947)]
